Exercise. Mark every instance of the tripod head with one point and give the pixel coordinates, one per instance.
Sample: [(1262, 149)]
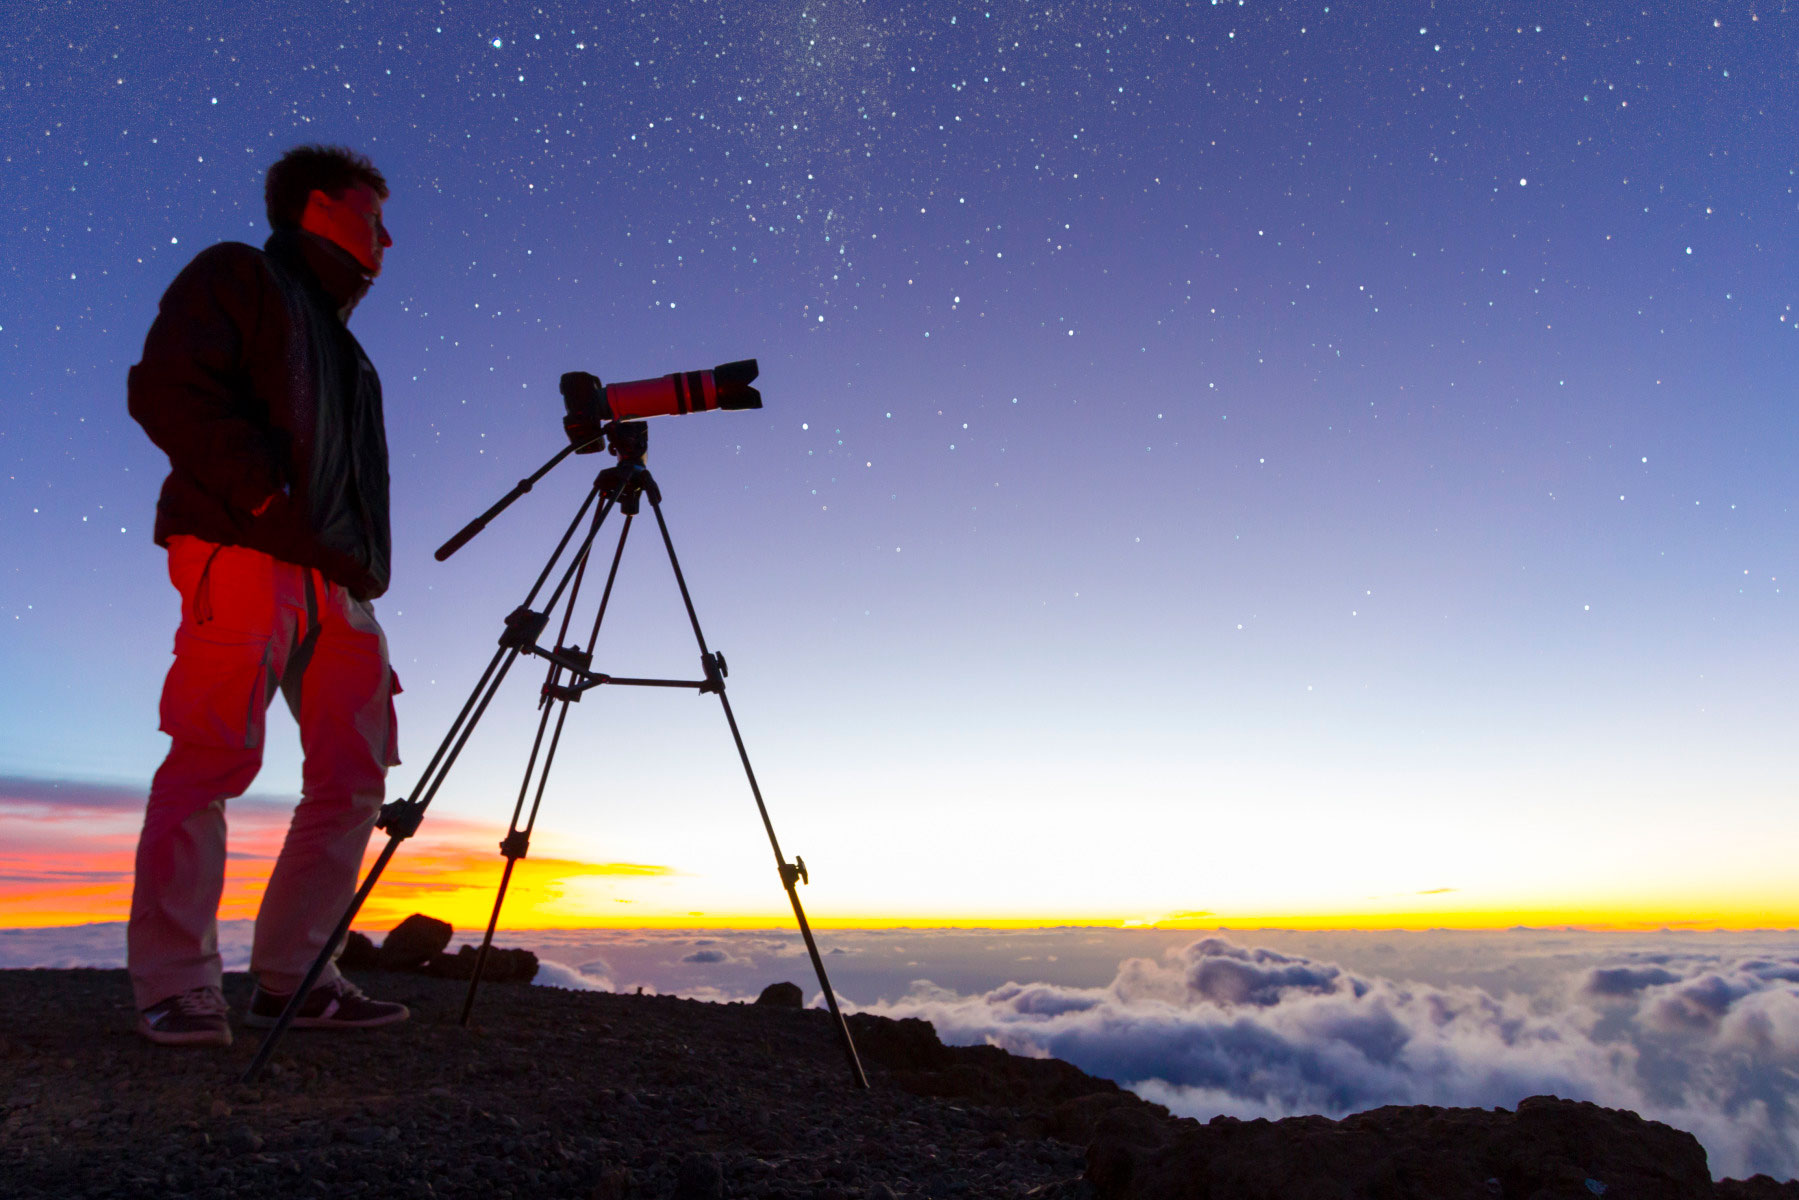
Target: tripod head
[(628, 440), (628, 480)]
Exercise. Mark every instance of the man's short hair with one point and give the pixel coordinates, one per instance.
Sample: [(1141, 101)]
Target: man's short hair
[(306, 169)]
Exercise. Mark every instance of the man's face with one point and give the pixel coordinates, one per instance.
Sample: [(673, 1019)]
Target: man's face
[(350, 220)]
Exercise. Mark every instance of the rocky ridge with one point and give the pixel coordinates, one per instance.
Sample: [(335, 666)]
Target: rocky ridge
[(418, 944), (553, 1093)]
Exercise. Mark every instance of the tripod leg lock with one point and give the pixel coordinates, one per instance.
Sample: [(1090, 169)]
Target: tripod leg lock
[(714, 666), (566, 691), (523, 628), (577, 662), (794, 872), (515, 844), (400, 818)]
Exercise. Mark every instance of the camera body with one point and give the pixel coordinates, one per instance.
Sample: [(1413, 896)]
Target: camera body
[(590, 405)]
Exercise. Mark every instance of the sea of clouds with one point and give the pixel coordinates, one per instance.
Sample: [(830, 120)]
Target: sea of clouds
[(1215, 1026), (1698, 1030)]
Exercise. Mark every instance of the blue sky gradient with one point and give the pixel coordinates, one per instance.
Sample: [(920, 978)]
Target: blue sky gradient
[(1263, 459)]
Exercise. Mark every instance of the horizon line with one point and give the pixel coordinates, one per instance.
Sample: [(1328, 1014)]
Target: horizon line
[(771, 924)]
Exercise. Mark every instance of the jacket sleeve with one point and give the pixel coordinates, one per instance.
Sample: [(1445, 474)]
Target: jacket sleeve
[(192, 391)]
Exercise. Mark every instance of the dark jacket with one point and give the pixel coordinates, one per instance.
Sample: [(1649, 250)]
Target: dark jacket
[(254, 388)]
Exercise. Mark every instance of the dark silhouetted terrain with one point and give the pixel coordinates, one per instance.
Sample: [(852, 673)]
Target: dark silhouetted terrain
[(584, 1094)]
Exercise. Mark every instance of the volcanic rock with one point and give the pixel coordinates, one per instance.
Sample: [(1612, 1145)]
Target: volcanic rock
[(1548, 1149), (418, 944), (1757, 1187), (782, 995), (502, 966), (413, 941), (359, 953), (923, 1065)]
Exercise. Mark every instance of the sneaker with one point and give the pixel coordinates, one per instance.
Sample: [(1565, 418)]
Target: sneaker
[(339, 1004), (197, 1017)]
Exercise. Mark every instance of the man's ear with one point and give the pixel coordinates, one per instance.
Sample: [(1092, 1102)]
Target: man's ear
[(316, 202)]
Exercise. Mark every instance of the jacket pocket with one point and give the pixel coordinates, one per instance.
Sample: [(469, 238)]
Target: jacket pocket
[(217, 693)]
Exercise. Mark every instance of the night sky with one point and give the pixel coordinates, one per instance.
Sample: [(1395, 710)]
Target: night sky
[(1327, 464)]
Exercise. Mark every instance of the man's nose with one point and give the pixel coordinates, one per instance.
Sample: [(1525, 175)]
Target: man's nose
[(386, 238)]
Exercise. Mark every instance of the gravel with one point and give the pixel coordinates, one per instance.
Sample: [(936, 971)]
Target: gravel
[(547, 1093)]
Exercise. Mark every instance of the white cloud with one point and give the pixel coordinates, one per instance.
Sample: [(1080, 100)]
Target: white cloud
[(588, 977), (1217, 1028), (102, 944)]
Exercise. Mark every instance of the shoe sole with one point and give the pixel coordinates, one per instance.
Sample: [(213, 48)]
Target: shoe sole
[(197, 1037), (257, 1021)]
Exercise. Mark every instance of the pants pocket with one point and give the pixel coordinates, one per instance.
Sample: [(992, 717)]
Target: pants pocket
[(392, 756), (217, 693)]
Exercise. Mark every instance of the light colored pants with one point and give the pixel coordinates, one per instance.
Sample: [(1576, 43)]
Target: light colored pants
[(249, 624)]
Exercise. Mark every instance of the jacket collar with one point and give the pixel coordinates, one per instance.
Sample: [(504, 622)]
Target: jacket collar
[(322, 264)]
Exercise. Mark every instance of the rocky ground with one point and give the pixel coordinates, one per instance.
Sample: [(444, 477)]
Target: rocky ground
[(590, 1095)]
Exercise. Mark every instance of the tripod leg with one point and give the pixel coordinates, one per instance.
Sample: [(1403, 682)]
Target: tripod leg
[(402, 825), (843, 1028), (264, 1051), (790, 875), (518, 840), (406, 814), (514, 847), (468, 1001)]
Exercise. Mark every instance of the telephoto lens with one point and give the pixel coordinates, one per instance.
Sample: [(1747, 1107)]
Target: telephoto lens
[(589, 404)]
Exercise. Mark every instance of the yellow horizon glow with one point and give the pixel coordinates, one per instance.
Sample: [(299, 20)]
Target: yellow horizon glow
[(470, 914), (57, 880), (458, 883)]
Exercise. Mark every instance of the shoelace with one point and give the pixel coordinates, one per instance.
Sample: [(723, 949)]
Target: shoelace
[(340, 987), (343, 989), (203, 1002)]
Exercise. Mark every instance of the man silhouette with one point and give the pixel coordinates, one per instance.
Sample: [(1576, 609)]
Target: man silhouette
[(275, 518)]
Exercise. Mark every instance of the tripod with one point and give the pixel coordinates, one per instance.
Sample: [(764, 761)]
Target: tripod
[(570, 676)]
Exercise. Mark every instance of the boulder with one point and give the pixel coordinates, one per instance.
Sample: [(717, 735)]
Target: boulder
[(503, 966), (510, 966), (413, 941), (920, 1063), (782, 995), (1112, 1117), (359, 953), (905, 1044)]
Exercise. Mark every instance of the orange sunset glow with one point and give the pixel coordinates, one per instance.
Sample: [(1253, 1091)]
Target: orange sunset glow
[(72, 862), (67, 852)]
